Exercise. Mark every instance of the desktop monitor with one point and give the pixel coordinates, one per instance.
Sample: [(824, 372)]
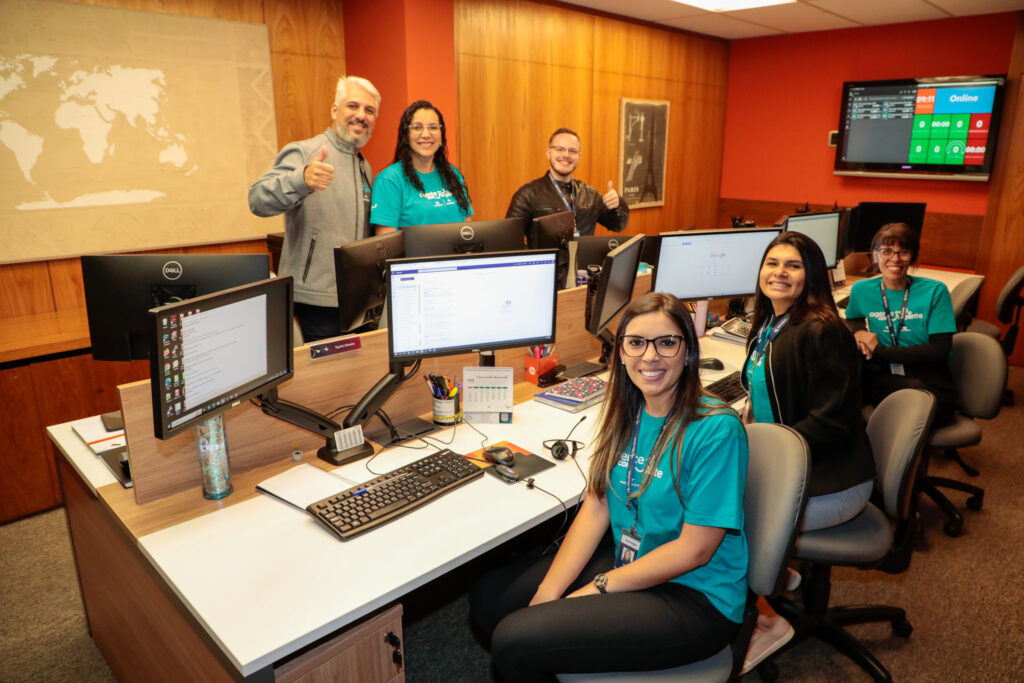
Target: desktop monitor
[(823, 229), (444, 305), (867, 217), (591, 249), (615, 285), (210, 353), (554, 231), (359, 268), (121, 288), (707, 264), (505, 234)]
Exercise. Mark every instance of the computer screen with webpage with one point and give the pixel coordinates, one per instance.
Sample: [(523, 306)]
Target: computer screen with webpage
[(823, 228), (459, 304), (704, 264)]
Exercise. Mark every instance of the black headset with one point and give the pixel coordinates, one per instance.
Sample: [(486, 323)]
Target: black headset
[(563, 448)]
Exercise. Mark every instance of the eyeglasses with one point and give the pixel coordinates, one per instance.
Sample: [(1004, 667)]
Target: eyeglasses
[(889, 252), (418, 128), (565, 150), (666, 346)]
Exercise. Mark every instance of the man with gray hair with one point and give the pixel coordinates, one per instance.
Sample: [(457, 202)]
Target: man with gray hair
[(323, 187)]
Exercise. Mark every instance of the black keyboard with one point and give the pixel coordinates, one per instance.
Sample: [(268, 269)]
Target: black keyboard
[(729, 388), (843, 303), (391, 495)]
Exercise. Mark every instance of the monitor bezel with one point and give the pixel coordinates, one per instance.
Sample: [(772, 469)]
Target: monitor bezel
[(633, 246), (255, 388), (660, 271), (454, 351), (420, 240), (831, 260)]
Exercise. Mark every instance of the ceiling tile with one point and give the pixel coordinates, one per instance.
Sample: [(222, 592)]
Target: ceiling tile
[(649, 10), (965, 7), (722, 26), (875, 12), (794, 18)]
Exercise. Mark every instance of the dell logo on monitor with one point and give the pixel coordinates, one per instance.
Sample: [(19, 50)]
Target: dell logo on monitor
[(467, 233), (612, 244), (172, 270)]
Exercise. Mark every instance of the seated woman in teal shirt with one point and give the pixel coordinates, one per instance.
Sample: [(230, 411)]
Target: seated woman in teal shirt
[(420, 187), (906, 337), (652, 572)]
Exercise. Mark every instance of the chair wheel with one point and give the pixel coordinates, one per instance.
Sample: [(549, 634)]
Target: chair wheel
[(902, 628), (768, 671), (953, 528), (975, 502)]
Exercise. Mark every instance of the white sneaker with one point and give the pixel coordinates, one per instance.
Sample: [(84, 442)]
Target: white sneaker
[(770, 633)]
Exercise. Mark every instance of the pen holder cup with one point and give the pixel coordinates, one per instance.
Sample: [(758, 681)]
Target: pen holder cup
[(447, 411), (535, 367)]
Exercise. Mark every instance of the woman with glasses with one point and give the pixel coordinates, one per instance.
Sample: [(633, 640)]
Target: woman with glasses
[(420, 187), (652, 573), (803, 370), (903, 325)]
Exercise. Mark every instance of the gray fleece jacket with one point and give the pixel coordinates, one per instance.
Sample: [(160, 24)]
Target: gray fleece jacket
[(315, 222)]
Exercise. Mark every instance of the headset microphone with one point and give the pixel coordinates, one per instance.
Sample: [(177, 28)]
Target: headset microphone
[(560, 449)]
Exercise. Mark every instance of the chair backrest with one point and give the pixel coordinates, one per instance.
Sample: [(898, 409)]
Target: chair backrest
[(1010, 297), (774, 501), (898, 429), (979, 368), (962, 295)]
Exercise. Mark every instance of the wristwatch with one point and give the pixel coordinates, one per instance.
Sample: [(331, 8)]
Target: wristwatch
[(601, 583)]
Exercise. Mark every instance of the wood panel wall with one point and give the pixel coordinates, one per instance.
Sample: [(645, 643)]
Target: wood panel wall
[(525, 69)]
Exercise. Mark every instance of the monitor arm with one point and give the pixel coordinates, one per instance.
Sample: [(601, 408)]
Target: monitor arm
[(377, 396), (304, 418)]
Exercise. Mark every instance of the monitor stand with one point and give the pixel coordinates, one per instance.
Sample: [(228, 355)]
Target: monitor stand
[(585, 368)]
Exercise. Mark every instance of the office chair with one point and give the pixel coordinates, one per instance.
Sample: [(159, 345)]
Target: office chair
[(772, 505), (965, 297), (874, 539), (979, 370), (1008, 308)]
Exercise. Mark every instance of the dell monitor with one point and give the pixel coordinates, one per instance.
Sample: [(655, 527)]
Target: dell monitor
[(867, 217), (823, 229), (709, 264), (468, 237), (359, 268), (591, 249), (554, 231), (121, 288), (210, 353), (467, 303)]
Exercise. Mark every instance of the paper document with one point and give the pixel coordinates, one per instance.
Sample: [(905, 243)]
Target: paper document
[(96, 436), (303, 484)]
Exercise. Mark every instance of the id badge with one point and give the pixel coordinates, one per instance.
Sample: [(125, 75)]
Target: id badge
[(629, 547), (896, 369)]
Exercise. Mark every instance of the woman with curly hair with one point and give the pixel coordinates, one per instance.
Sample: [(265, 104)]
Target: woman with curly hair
[(652, 572), (420, 187)]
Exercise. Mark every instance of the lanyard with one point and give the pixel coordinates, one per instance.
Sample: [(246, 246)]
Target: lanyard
[(766, 336), (894, 333), (631, 505), (565, 200)]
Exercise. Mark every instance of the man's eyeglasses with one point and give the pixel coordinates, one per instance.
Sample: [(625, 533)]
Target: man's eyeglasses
[(667, 346), (431, 128), (889, 252), (565, 150)]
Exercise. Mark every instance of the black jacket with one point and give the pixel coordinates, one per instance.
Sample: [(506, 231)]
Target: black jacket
[(812, 370), (540, 198)]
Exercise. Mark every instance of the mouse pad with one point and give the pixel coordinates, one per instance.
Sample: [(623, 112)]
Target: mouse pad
[(527, 464)]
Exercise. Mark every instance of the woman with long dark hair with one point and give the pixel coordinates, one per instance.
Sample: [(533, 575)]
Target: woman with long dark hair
[(420, 187), (652, 572), (803, 370), (903, 325)]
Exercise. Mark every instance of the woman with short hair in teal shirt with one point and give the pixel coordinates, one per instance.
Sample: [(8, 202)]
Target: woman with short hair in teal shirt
[(420, 187), (652, 573), (903, 325)]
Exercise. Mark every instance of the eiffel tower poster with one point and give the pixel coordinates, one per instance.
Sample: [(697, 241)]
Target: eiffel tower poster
[(643, 133)]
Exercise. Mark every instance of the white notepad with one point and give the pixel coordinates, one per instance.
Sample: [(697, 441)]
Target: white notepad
[(303, 485)]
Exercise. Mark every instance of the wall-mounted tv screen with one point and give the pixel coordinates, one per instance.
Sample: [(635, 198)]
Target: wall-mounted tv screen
[(944, 128)]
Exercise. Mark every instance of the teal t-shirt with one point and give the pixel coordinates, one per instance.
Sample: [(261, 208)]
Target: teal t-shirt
[(396, 203), (760, 403), (712, 480), (929, 310)]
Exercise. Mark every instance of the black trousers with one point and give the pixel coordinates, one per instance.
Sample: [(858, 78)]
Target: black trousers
[(878, 385), (656, 628), (317, 322)]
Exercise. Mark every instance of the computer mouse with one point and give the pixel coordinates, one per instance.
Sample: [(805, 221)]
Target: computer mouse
[(506, 472), (500, 455), (711, 364)]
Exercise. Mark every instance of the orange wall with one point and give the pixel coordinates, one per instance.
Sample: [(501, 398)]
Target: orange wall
[(406, 49), (784, 97)]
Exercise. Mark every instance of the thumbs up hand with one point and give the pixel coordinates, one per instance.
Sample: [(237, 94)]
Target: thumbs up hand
[(611, 197), (318, 173)]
